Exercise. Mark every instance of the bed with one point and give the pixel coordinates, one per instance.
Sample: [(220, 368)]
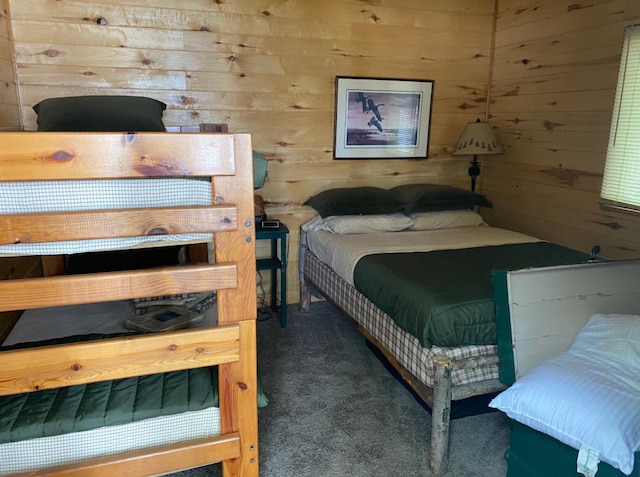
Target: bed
[(569, 341), (363, 234), (171, 364)]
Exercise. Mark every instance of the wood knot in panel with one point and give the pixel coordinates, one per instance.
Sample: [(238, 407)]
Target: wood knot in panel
[(220, 200), (158, 169), (51, 53), (76, 367), (173, 347), (158, 231), (242, 386), (60, 156), (577, 6)]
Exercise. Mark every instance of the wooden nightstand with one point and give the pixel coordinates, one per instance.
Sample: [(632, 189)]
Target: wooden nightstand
[(274, 263)]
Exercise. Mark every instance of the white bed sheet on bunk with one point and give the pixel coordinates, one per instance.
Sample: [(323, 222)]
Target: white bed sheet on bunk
[(57, 196), (108, 317), (25, 456), (342, 251)]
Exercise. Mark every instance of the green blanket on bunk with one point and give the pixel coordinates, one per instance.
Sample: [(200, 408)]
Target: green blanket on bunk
[(445, 297), (87, 406)]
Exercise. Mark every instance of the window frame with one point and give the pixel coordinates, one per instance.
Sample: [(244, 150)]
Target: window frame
[(620, 159)]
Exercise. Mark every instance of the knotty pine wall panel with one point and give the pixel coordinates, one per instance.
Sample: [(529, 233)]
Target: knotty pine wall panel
[(553, 84), (267, 68), (9, 108)]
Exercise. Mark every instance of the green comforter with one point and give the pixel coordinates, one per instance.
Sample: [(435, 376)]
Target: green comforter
[(87, 406), (445, 297)]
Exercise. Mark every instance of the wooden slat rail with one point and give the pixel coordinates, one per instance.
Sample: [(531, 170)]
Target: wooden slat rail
[(31, 293), (153, 461), (105, 224), (47, 367), (44, 155)]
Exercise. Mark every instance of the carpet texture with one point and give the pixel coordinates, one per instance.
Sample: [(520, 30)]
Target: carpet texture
[(335, 411)]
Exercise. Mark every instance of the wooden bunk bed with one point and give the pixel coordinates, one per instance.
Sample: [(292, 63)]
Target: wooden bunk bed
[(229, 222)]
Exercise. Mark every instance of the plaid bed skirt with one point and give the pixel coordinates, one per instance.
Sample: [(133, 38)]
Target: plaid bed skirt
[(404, 347)]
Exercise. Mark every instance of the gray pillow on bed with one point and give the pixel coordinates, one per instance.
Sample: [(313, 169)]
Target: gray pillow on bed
[(100, 114), (356, 201), (431, 197)]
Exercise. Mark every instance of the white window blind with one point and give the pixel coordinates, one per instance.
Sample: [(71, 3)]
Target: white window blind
[(621, 183)]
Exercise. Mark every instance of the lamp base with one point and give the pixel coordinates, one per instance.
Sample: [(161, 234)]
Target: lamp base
[(258, 207), (474, 172)]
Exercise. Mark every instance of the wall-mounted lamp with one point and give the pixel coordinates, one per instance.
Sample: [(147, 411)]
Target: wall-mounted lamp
[(477, 138)]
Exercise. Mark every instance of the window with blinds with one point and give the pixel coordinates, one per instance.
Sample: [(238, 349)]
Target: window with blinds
[(621, 183)]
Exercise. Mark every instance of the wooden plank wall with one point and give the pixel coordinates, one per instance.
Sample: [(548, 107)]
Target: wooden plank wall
[(9, 109), (553, 84), (267, 68)]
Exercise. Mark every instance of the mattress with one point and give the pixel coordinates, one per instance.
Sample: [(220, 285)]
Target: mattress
[(56, 196), (56, 449), (436, 284), (343, 251), (416, 359)]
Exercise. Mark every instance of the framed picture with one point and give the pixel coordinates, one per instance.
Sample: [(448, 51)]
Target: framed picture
[(382, 118)]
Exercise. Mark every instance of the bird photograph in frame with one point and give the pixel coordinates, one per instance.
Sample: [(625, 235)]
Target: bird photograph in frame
[(382, 118)]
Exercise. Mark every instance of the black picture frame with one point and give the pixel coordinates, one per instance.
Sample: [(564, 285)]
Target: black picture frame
[(378, 118)]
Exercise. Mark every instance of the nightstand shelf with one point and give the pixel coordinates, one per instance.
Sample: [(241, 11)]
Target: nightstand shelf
[(274, 263)]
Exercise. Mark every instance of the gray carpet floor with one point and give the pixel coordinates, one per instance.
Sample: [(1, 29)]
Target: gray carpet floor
[(335, 411)]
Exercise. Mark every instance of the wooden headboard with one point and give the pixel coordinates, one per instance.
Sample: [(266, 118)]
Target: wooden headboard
[(227, 160)]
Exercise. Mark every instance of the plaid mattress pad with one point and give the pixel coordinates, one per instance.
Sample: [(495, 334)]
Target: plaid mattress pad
[(418, 360)]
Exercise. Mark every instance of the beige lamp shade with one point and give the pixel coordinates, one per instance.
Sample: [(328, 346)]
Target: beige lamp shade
[(477, 138)]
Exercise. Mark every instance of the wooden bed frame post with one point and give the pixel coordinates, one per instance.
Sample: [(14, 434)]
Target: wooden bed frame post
[(440, 416), (305, 296), (240, 305)]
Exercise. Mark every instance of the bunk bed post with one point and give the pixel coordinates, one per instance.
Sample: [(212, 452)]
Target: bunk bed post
[(239, 305)]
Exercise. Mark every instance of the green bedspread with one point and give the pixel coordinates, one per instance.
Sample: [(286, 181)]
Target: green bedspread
[(445, 297), (87, 406)]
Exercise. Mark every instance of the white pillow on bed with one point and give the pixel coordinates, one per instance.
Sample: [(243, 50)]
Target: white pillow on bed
[(588, 396), (365, 224), (445, 219)]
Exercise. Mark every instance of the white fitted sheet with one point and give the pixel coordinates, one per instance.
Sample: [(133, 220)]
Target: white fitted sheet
[(58, 196), (342, 251)]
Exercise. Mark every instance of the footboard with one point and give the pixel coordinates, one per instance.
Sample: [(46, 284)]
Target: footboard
[(540, 311)]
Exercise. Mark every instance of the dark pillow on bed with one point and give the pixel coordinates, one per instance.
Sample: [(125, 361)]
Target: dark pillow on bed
[(355, 201), (432, 197), (100, 114)]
